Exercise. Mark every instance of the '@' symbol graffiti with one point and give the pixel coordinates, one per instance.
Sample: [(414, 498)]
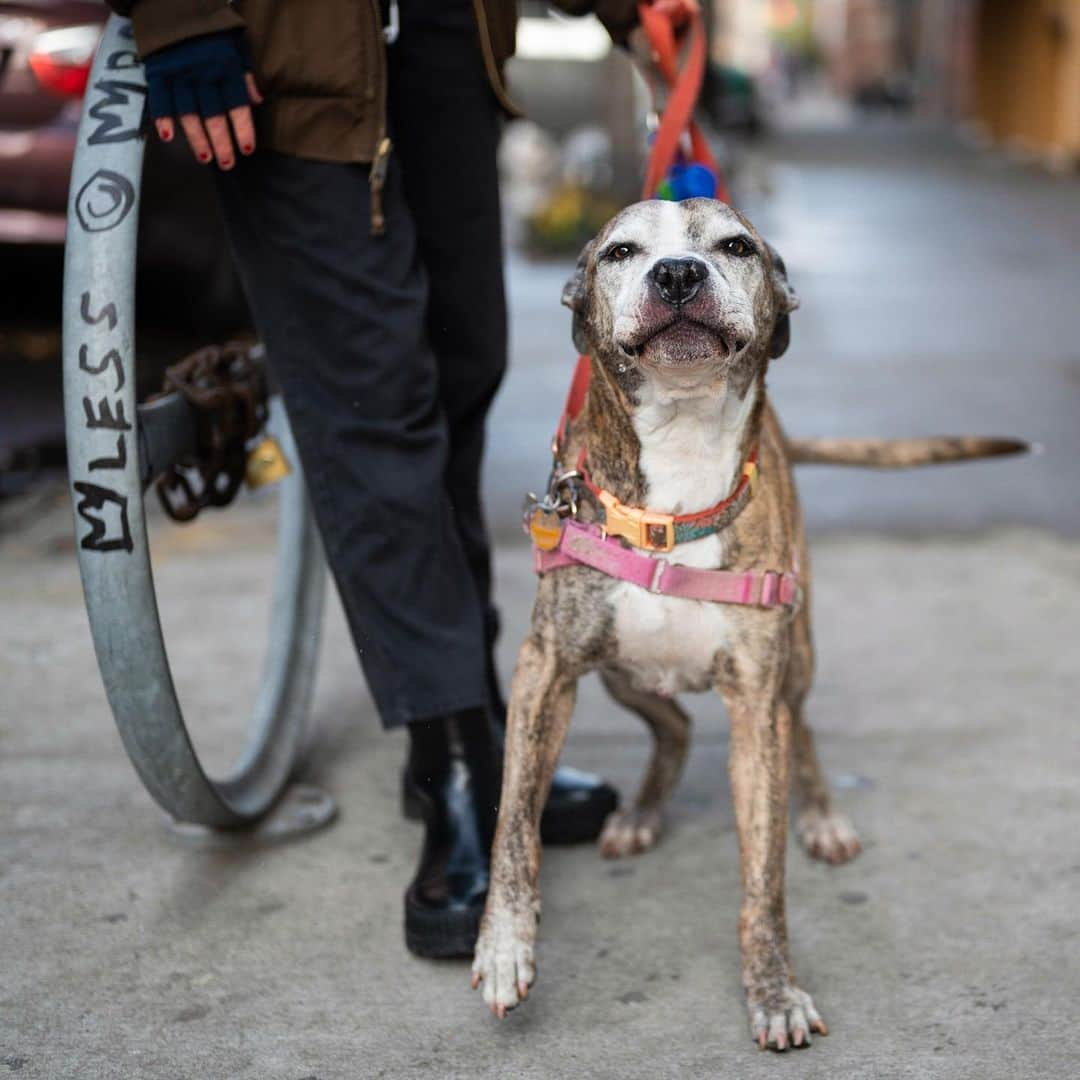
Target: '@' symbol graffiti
[(104, 201)]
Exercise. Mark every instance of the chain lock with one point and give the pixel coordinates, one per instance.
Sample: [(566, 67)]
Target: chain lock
[(228, 389)]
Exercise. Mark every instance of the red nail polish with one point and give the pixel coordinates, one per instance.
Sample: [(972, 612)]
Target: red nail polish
[(204, 157), (247, 148)]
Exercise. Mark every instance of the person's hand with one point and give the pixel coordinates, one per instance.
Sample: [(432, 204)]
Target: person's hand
[(206, 84)]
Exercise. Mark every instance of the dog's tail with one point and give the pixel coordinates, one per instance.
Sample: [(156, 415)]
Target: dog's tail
[(900, 453)]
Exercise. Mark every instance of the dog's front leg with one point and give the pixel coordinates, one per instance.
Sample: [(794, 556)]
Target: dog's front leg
[(541, 701), (780, 1013)]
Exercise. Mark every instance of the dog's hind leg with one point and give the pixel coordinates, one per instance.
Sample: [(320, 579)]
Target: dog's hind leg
[(637, 828), (541, 701), (824, 832)]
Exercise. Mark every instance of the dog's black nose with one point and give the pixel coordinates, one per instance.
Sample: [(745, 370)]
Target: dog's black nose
[(678, 280)]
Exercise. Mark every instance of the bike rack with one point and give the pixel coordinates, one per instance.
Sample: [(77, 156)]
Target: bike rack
[(109, 451)]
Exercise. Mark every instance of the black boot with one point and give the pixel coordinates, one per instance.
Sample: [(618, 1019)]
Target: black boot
[(578, 803), (453, 778), (577, 806)]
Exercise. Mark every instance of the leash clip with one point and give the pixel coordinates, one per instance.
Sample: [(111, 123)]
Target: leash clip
[(554, 495)]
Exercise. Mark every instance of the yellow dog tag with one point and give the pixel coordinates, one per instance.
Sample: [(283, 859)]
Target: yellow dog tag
[(266, 464), (545, 528)]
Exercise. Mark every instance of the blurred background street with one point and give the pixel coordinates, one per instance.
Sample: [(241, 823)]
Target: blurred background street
[(938, 293), (915, 163)]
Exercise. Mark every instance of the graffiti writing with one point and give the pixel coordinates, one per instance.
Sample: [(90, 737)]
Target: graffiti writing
[(107, 313), (119, 461), (114, 97), (102, 507), (105, 417), (104, 201), (111, 358), (105, 511), (123, 60)]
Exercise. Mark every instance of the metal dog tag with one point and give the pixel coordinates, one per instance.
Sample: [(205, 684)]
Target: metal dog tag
[(266, 464), (545, 527)]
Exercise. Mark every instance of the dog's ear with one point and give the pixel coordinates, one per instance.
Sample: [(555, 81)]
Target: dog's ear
[(786, 302), (574, 297)]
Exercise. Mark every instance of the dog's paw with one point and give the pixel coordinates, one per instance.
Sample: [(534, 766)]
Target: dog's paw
[(629, 832), (829, 836), (503, 967), (785, 1020)]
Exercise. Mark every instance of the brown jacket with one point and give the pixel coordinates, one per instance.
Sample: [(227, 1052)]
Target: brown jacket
[(321, 64)]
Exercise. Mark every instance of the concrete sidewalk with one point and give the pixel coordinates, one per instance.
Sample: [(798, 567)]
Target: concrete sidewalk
[(938, 295), (945, 707)]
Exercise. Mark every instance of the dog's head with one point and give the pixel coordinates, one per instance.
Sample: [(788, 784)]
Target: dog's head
[(687, 287)]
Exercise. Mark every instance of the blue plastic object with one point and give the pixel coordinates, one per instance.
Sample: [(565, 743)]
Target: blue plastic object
[(687, 181)]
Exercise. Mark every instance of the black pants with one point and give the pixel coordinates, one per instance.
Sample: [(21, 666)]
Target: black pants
[(389, 351)]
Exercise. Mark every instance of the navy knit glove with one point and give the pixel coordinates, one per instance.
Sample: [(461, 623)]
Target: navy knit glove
[(202, 75)]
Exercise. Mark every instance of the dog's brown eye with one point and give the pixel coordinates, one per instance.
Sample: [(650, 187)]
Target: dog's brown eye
[(620, 252), (738, 246)]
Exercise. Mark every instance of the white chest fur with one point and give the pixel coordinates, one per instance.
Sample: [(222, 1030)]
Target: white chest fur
[(690, 458)]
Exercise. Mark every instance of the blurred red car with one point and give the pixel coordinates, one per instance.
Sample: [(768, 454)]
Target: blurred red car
[(185, 274)]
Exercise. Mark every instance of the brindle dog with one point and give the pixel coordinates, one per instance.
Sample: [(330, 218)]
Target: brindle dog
[(681, 306)]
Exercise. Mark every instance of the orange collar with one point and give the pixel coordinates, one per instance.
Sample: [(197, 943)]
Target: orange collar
[(647, 529)]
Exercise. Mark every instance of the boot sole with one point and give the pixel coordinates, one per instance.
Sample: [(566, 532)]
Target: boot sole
[(579, 825), (441, 935)]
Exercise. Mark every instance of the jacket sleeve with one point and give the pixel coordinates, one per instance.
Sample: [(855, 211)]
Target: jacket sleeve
[(619, 16), (164, 22)]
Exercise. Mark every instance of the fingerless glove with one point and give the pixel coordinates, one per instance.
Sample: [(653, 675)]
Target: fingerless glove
[(203, 75)]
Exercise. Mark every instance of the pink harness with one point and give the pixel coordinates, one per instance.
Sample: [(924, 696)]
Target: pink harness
[(585, 545), (560, 540)]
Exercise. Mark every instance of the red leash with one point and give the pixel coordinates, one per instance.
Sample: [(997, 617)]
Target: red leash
[(658, 20)]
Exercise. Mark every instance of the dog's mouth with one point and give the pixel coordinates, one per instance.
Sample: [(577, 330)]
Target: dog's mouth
[(683, 341)]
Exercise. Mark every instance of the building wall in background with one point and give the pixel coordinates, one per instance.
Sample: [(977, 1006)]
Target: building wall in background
[(1009, 69), (1026, 75)]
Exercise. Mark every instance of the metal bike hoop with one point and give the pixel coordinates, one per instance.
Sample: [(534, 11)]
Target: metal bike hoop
[(107, 494)]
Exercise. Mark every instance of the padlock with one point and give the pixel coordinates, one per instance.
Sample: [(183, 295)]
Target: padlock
[(266, 464), (545, 527)]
